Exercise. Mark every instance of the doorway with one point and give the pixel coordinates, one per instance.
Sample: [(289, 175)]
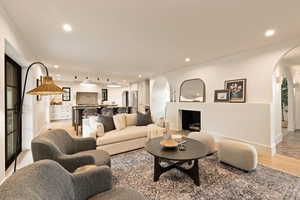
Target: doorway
[(287, 96), (13, 130)]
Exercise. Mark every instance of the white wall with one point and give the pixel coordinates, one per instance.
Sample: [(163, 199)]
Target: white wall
[(257, 66), (35, 116), (297, 101), (115, 95)]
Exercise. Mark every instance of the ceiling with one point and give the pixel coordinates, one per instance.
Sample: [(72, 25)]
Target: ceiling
[(292, 58), (124, 38)]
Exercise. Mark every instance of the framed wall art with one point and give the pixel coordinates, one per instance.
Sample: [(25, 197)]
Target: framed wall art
[(67, 95), (222, 96), (237, 90)]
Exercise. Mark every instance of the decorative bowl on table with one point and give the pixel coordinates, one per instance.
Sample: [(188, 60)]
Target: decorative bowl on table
[(169, 143)]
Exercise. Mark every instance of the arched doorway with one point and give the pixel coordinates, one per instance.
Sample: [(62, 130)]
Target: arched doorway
[(286, 102), (160, 95)]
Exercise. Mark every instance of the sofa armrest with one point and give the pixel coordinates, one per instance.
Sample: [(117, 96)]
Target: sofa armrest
[(92, 182), (85, 144), (72, 162)]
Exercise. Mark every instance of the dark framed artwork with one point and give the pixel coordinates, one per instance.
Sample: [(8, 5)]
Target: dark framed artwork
[(222, 96), (67, 95), (38, 83), (104, 95), (237, 89)]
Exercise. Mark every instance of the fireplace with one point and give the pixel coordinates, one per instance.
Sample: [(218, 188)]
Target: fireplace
[(191, 120)]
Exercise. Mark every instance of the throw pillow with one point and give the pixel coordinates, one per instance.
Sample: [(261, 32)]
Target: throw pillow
[(120, 121), (131, 119), (144, 119), (107, 122)]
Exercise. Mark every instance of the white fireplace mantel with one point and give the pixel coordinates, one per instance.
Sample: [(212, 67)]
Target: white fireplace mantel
[(248, 122)]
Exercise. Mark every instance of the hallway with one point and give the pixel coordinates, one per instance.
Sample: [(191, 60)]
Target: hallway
[(290, 145)]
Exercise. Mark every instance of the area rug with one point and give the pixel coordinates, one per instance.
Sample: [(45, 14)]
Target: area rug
[(218, 181)]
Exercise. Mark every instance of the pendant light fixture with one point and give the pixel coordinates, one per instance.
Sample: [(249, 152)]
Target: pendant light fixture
[(87, 82)]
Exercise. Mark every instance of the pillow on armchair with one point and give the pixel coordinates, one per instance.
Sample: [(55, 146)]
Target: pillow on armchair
[(144, 119)]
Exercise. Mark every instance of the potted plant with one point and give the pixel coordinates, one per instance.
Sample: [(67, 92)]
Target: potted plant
[(284, 102)]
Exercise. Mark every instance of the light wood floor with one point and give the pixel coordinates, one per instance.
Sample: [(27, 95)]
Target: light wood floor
[(279, 162), (290, 145)]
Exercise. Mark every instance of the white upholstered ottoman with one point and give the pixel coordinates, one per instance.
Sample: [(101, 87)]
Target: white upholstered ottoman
[(205, 138), (238, 154)]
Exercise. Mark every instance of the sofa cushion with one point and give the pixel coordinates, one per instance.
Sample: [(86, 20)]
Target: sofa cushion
[(131, 119), (144, 119), (119, 121), (107, 122), (101, 157), (129, 133)]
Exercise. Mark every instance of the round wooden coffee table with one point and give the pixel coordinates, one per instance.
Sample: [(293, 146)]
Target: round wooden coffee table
[(194, 150)]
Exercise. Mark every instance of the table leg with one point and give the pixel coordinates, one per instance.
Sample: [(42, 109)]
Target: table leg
[(157, 169), (195, 173)]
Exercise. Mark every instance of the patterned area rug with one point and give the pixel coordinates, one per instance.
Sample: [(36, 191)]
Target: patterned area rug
[(218, 181)]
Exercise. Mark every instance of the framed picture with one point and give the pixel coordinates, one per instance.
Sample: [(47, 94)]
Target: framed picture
[(222, 96), (104, 95), (237, 89), (38, 83), (67, 95)]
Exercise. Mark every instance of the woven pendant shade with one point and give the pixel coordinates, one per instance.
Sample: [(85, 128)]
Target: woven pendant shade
[(47, 87)]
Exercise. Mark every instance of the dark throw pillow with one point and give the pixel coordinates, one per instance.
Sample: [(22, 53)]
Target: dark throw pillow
[(144, 119), (107, 122)]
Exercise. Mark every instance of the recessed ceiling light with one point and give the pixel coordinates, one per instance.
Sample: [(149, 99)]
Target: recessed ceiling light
[(187, 59), (269, 33), (56, 66), (67, 27), (140, 76)]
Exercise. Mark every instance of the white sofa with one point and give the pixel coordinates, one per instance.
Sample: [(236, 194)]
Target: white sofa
[(117, 141)]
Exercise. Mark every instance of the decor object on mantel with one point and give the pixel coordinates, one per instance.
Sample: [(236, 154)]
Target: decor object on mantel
[(237, 90), (47, 87), (192, 90), (221, 96)]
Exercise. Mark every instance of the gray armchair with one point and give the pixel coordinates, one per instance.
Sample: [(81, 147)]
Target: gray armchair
[(70, 152), (47, 180)]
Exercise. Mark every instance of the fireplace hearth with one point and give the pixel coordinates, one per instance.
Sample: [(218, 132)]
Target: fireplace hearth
[(191, 120)]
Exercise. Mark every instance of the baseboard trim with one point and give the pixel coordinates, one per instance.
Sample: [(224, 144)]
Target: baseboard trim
[(263, 149)]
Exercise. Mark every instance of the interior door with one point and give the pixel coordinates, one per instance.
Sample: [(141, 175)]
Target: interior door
[(12, 110)]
